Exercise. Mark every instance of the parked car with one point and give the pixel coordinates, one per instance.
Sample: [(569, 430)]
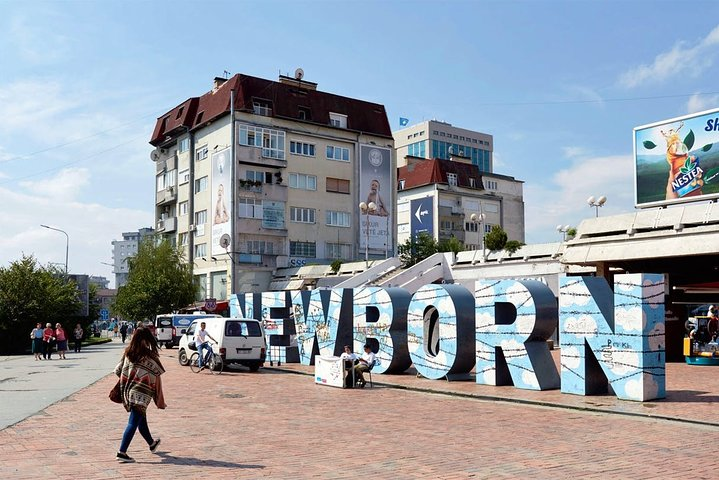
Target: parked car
[(239, 341), (170, 327)]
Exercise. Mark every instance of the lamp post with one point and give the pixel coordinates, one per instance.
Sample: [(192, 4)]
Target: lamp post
[(563, 229), (67, 242), (596, 203), (479, 219), (366, 209)]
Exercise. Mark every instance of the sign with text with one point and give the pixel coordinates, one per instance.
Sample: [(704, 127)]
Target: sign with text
[(422, 216), (376, 187), (677, 160)]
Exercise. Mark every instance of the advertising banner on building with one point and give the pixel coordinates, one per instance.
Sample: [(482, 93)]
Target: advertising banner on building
[(677, 160), (376, 187), (221, 213), (422, 216)]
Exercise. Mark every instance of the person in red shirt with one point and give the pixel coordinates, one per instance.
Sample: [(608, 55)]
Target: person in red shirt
[(61, 341), (48, 338)]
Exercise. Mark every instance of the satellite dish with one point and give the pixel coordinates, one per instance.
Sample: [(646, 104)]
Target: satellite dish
[(299, 73), (225, 241), (155, 155)]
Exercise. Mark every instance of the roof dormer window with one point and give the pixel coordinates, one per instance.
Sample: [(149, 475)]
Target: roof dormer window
[(338, 120), (262, 107)]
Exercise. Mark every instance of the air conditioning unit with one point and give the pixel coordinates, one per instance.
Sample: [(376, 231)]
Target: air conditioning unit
[(163, 150), (192, 228), (170, 190), (160, 224)]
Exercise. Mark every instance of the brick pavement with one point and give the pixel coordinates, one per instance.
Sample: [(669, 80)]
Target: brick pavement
[(280, 425)]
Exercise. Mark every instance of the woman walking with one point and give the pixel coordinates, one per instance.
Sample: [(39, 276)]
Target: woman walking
[(78, 333), (139, 372), (36, 336), (61, 341), (48, 337)]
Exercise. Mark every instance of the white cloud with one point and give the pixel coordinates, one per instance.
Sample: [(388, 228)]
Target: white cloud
[(573, 152), (562, 199), (698, 103), (65, 185), (91, 228), (666, 65)]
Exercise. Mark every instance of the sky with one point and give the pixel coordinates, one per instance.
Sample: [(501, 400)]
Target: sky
[(560, 86)]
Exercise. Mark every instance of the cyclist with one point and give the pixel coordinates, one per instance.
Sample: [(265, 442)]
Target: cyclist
[(201, 342)]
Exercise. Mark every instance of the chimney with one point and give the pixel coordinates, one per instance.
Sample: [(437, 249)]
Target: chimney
[(217, 83)]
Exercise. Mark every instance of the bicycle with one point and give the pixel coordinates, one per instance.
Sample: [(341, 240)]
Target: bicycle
[(212, 361)]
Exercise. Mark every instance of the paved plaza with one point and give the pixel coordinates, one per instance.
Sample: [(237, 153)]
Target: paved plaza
[(278, 424)]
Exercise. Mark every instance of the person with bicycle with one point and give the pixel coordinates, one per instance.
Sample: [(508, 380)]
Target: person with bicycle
[(201, 342)]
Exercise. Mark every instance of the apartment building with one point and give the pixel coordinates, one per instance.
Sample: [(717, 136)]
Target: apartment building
[(256, 174), (435, 139), (439, 197), (122, 250)]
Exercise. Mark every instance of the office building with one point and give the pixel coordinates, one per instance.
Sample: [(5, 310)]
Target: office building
[(256, 174), (122, 250), (435, 139)]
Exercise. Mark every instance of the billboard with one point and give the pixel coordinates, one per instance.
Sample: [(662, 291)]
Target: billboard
[(422, 216), (376, 186), (677, 160), (221, 216)]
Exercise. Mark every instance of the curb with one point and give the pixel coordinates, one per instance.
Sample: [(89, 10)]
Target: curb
[(521, 401)]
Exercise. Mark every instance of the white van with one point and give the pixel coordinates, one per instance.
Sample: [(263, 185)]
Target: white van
[(240, 340), (170, 327)]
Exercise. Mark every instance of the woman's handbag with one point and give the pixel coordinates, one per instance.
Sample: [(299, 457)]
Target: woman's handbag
[(115, 394)]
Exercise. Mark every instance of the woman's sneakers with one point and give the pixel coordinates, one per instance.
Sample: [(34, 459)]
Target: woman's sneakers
[(125, 458), (154, 445)]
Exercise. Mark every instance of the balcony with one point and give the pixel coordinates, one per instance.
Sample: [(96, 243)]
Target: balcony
[(259, 156), (167, 195), (167, 224)]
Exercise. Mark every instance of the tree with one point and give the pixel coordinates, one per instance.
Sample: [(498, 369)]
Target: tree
[(451, 244), (571, 233), (30, 294), (496, 239), (159, 281), (414, 250), (513, 245)]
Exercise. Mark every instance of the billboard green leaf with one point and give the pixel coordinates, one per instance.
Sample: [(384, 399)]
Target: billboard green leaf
[(707, 147), (689, 140), (648, 144), (712, 176)]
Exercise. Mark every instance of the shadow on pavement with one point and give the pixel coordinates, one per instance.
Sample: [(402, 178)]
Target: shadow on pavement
[(207, 463), (688, 396)]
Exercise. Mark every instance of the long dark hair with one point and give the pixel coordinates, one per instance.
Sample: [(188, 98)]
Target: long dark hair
[(142, 344)]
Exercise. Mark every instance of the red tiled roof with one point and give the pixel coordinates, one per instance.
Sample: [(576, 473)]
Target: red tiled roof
[(285, 99), (435, 170)]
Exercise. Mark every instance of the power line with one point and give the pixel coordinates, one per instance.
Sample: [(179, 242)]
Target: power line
[(88, 157)]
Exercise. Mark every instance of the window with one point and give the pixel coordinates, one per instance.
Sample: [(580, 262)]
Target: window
[(201, 153), (441, 134), (421, 134), (258, 176), (300, 148), (272, 142), (249, 208), (184, 176), (183, 239), (302, 215), (184, 145), (182, 207), (445, 225), (166, 180), (472, 182), (452, 179), (303, 182), (401, 185), (337, 250), (490, 184), (201, 250), (304, 113), (340, 154), (259, 247), (487, 228), (262, 107), (338, 219), (338, 120), (235, 328), (417, 149), (303, 249), (201, 184), (435, 132), (338, 185), (201, 217), (470, 226)]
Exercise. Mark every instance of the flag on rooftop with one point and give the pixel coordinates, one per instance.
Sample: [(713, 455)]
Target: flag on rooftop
[(403, 122)]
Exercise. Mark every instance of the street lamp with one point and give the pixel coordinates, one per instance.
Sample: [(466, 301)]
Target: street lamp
[(596, 203), (366, 209), (67, 242), (479, 219), (563, 229)]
